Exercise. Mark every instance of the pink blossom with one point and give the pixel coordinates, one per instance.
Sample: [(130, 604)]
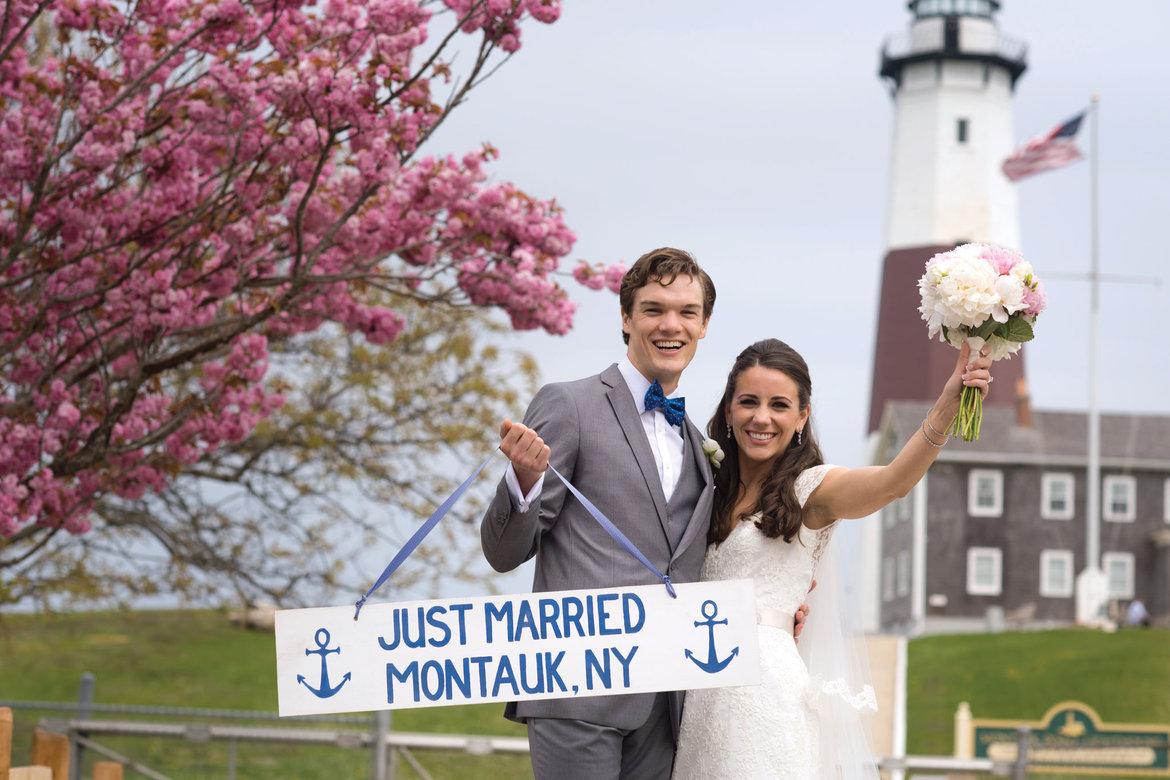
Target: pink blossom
[(68, 415), (1035, 299), (613, 277), (1003, 260), (231, 172), (547, 11), (585, 274)]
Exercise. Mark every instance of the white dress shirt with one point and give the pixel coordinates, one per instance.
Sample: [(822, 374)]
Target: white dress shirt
[(666, 442)]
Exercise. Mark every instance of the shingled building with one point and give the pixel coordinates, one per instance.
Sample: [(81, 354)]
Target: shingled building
[(997, 527)]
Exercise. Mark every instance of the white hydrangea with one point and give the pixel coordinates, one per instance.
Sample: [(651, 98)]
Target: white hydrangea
[(958, 289), (986, 290)]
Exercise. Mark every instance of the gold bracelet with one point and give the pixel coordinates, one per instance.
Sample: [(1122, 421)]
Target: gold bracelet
[(922, 430), (946, 436)]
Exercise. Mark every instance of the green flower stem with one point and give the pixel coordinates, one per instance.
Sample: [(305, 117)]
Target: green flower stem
[(970, 417)]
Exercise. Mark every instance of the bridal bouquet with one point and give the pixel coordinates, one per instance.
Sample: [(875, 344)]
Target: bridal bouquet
[(980, 294)]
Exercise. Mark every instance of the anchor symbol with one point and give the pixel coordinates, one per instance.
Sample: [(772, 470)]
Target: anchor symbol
[(712, 664), (324, 692)]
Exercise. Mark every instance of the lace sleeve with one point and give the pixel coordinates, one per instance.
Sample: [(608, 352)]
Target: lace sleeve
[(809, 480), (806, 483), (822, 537)]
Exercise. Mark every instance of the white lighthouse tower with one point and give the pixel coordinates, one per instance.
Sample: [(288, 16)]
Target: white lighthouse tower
[(952, 77)]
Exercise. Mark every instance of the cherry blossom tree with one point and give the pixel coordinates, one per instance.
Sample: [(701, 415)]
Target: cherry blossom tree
[(186, 183), (321, 494)]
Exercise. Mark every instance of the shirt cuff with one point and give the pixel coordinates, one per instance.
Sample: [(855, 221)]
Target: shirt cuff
[(521, 503)]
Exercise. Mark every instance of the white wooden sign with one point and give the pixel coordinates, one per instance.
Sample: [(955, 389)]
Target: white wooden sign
[(512, 648)]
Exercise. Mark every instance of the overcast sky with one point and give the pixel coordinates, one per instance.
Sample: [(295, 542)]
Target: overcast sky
[(757, 136)]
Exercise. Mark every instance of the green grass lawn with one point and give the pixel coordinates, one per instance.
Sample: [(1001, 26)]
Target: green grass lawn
[(1124, 676), (197, 659)]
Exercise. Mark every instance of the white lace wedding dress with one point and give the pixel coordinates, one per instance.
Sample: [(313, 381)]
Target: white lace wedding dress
[(771, 730)]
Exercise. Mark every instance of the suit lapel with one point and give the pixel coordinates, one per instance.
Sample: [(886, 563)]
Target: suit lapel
[(629, 419), (700, 519)]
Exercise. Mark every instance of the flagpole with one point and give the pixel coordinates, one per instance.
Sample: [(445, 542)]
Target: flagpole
[(1093, 583), (1093, 488)]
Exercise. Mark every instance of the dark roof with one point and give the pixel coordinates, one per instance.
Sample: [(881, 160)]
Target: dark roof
[(1137, 441)]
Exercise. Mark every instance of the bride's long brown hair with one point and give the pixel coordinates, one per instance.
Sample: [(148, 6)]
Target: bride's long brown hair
[(780, 512)]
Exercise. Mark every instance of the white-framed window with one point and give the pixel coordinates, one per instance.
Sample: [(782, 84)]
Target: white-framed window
[(1056, 496), (984, 571), (904, 573), (1118, 498), (1056, 573), (1118, 568), (888, 578), (1166, 501), (985, 493)]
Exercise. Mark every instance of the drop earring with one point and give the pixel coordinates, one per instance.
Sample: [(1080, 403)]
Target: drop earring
[(729, 430), (799, 436)]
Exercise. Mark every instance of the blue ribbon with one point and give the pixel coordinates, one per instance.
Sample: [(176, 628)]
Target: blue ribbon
[(617, 535), (421, 533), (434, 519)]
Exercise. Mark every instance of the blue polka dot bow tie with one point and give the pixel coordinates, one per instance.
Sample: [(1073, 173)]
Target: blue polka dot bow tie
[(673, 408)]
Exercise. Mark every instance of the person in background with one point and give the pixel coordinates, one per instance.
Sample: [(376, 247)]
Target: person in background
[(1136, 614)]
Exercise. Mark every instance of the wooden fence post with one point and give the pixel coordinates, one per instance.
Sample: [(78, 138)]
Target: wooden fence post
[(5, 741), (51, 750), (30, 773), (107, 770)]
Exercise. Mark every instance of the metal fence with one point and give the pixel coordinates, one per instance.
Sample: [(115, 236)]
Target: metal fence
[(376, 736), (371, 732), (897, 767)]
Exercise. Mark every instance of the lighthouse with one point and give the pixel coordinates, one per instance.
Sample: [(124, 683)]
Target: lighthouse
[(952, 77)]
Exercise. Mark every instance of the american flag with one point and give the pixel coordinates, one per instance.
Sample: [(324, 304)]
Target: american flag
[(1054, 149)]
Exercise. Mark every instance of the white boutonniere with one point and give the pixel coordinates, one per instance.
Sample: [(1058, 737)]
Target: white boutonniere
[(713, 452)]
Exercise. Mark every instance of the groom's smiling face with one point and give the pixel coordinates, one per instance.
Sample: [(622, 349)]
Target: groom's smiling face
[(665, 325)]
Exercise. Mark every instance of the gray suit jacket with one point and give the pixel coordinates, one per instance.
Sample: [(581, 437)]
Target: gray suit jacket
[(597, 440)]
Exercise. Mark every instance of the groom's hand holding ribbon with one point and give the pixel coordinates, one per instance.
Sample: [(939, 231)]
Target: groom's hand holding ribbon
[(527, 451), (529, 457)]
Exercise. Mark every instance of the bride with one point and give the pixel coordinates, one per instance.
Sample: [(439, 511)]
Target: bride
[(776, 507)]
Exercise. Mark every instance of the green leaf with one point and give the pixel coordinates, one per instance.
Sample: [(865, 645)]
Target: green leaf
[(1016, 329), (985, 330)]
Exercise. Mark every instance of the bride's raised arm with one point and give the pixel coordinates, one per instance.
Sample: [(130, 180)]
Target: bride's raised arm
[(848, 493)]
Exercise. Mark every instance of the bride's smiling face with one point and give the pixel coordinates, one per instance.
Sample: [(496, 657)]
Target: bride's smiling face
[(764, 413)]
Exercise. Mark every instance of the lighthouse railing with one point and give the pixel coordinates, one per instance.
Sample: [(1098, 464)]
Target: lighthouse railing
[(901, 46)]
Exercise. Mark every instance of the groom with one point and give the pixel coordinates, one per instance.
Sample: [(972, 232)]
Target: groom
[(640, 460)]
